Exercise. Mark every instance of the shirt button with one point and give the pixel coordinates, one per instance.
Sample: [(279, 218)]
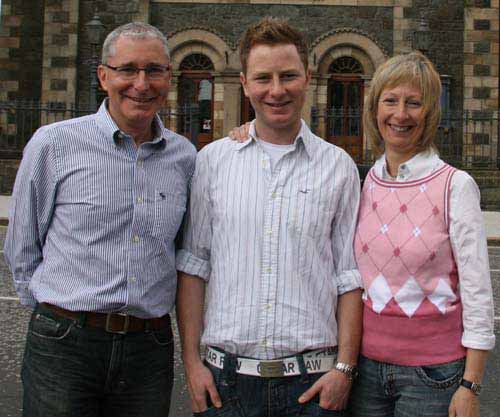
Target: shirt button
[(139, 164), (136, 239), (269, 270), (133, 279), (139, 200), (269, 306), (263, 342), (273, 195), (269, 232)]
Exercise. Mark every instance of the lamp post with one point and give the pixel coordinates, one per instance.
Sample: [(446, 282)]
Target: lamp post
[(95, 30), (422, 36)]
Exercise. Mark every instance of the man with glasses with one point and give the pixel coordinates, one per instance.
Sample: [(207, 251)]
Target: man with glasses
[(97, 204)]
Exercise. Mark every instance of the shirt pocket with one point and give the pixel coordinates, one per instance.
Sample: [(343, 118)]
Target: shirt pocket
[(310, 214), (169, 208)]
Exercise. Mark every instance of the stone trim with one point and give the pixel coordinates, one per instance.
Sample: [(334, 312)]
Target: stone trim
[(60, 51), (343, 42), (9, 46), (481, 69), (402, 42), (201, 41)]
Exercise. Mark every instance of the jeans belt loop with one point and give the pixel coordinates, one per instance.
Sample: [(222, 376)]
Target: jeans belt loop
[(229, 369), (304, 376)]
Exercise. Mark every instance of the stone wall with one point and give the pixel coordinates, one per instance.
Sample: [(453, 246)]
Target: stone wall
[(230, 20), (60, 60), (481, 68), (21, 46), (112, 13), (446, 23)]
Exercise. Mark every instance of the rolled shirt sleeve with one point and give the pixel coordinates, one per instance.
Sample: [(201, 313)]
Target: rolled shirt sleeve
[(343, 231), (30, 214), (469, 243), (194, 257)]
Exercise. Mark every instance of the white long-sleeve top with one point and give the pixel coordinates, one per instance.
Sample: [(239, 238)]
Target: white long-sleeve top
[(468, 241)]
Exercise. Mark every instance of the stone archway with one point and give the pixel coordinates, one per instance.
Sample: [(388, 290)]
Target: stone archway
[(209, 47), (344, 61)]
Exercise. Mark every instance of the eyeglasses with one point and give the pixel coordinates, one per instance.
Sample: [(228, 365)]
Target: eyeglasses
[(152, 72)]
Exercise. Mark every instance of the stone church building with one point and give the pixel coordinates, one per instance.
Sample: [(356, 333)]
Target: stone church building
[(45, 54)]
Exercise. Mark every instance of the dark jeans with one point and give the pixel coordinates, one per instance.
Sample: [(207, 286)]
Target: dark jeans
[(386, 390), (251, 396), (73, 370)]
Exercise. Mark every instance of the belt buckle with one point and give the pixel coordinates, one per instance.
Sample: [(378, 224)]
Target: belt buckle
[(271, 369), (126, 323)]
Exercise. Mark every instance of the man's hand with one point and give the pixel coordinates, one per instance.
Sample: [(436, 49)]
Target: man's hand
[(240, 134), (464, 403), (199, 382), (333, 390)]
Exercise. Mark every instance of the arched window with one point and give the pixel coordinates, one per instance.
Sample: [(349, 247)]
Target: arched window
[(195, 98), (345, 65), (345, 105)]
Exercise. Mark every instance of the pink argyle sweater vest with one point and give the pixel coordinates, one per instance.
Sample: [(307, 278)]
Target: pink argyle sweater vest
[(412, 309)]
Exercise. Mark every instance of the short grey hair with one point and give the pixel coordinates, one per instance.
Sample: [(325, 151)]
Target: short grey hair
[(133, 30)]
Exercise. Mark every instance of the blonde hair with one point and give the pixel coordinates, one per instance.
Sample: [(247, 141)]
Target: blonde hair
[(413, 69)]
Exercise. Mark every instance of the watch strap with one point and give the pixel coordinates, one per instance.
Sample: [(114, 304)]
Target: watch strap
[(475, 387), (350, 370)]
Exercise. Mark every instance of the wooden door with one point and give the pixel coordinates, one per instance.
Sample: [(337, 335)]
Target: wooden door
[(345, 109)]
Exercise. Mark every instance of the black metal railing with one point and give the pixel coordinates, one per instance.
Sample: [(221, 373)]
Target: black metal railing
[(20, 119), (466, 139)]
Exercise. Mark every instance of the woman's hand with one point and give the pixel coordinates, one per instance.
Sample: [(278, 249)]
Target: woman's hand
[(240, 134), (464, 403)]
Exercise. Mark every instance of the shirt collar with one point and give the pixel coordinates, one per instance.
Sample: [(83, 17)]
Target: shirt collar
[(305, 136), (421, 165), (114, 135)]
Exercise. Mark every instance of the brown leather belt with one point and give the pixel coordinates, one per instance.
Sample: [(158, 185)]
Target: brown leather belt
[(112, 322)]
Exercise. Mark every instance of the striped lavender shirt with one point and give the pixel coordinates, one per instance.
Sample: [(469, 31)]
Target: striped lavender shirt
[(94, 218), (276, 247)]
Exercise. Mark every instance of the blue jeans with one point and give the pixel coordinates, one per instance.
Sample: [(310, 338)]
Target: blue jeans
[(385, 390), (72, 370), (251, 396)]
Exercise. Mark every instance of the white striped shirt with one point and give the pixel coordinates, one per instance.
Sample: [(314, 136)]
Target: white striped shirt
[(93, 217), (276, 246)]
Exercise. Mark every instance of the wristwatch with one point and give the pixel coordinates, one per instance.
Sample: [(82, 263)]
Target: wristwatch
[(475, 387), (350, 370)]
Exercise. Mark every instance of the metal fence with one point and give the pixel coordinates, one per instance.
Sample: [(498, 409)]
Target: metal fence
[(20, 119), (465, 139)]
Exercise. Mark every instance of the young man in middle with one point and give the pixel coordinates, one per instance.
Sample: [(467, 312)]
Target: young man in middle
[(270, 235)]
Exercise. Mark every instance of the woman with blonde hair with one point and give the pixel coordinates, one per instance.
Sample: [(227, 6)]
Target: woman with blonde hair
[(422, 253)]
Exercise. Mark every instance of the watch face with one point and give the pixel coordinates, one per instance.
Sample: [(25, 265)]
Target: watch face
[(476, 388)]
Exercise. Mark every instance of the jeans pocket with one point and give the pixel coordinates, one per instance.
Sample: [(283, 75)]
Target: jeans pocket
[(442, 376), (49, 328), (162, 337), (230, 408), (313, 409)]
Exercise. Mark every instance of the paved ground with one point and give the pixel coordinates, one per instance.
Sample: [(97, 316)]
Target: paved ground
[(14, 318)]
